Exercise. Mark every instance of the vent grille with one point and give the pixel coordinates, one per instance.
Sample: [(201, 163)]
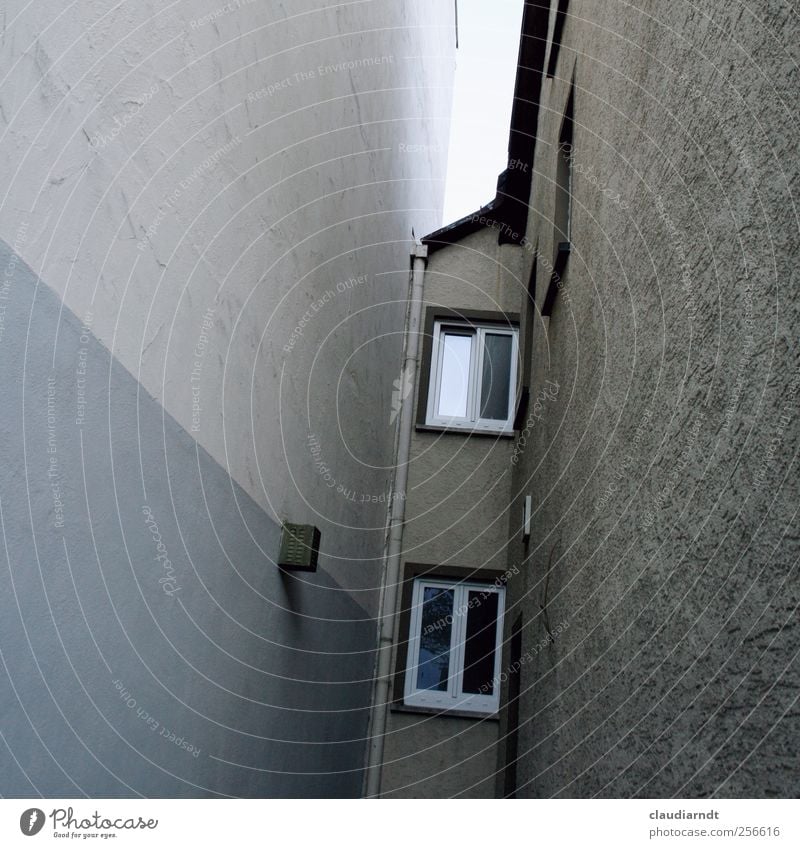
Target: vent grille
[(299, 547)]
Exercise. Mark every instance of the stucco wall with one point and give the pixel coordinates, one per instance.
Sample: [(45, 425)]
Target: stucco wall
[(150, 646), (457, 498), (664, 473), (224, 195), (456, 515), (265, 162)]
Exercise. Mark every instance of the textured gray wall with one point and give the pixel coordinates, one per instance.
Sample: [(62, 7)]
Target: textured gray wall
[(262, 164), (664, 475), (457, 515), (266, 674), (230, 191)]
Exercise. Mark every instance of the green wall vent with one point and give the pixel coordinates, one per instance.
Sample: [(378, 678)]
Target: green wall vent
[(299, 547)]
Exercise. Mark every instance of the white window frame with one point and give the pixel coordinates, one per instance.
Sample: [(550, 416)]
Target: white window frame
[(453, 698), (477, 331)]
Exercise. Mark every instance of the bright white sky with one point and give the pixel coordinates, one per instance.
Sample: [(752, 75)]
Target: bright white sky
[(486, 66)]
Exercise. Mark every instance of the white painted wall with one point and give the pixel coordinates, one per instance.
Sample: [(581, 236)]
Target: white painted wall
[(169, 159)]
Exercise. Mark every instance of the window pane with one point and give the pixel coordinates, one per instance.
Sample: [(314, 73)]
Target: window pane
[(481, 642), (434, 643), (456, 352), (496, 377), (562, 214)]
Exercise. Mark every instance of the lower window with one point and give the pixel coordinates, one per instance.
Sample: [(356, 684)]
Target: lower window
[(454, 646)]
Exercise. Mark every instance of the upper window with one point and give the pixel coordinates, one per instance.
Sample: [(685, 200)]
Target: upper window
[(558, 30), (563, 207), (455, 646), (473, 376)]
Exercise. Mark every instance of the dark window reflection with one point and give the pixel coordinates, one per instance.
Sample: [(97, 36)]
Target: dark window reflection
[(496, 376), (480, 644), (434, 650)]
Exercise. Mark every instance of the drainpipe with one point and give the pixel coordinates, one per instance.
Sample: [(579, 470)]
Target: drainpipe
[(391, 580)]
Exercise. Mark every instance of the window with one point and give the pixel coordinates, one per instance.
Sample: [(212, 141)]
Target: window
[(527, 345), (562, 215), (558, 30), (473, 376), (455, 646), (563, 209)]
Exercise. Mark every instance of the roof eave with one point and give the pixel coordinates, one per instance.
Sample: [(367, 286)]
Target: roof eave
[(509, 210)]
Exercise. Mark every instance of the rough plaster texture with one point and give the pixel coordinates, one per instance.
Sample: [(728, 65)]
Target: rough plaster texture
[(456, 514), (225, 196), (267, 674), (267, 163), (664, 476), (457, 498), (439, 757)]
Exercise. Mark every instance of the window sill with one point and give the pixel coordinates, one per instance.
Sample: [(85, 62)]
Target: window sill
[(465, 431), (435, 711)]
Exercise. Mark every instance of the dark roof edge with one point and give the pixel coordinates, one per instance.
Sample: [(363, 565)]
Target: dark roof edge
[(509, 209), (461, 228)]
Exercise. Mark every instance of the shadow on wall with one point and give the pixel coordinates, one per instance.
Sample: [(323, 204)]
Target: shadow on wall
[(150, 645)]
